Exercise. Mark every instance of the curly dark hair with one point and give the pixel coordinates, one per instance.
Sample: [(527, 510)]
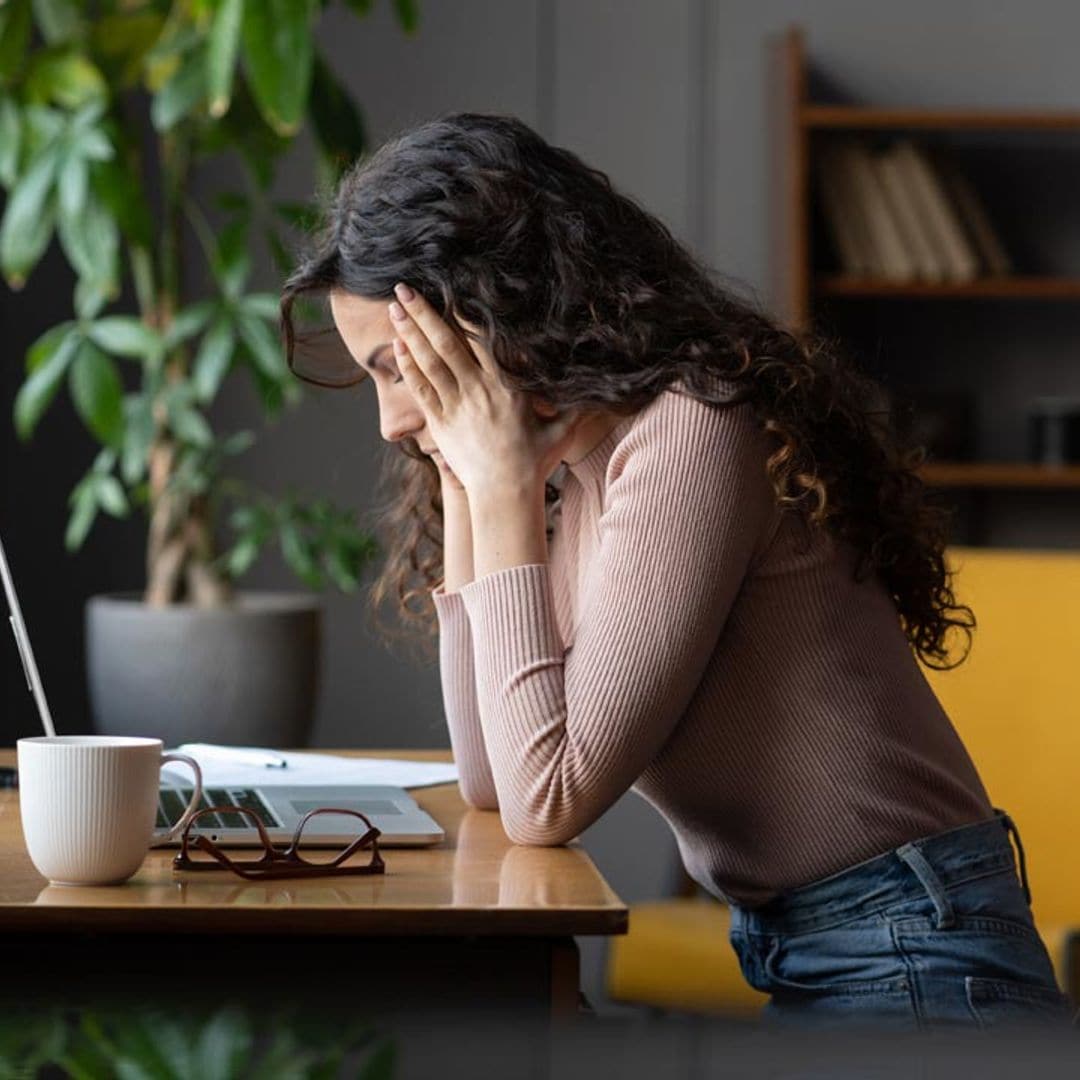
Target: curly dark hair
[(586, 299)]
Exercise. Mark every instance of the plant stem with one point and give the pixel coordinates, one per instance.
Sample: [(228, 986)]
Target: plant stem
[(180, 547)]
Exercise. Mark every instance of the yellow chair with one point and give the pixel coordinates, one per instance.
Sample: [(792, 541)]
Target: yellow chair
[(1015, 703)]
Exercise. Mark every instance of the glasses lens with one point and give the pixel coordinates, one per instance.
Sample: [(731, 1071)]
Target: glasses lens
[(208, 825), (319, 354), (321, 842)]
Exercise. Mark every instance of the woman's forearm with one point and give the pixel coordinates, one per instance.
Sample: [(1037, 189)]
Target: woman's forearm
[(457, 540)]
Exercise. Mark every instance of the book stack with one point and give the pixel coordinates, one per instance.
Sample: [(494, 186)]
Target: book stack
[(903, 212)]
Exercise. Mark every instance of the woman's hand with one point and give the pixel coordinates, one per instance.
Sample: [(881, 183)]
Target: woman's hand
[(490, 436), (451, 485)]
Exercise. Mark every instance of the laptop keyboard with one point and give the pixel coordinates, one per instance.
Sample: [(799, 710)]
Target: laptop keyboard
[(172, 802)]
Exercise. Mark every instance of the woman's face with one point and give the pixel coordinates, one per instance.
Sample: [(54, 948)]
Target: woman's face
[(368, 333)]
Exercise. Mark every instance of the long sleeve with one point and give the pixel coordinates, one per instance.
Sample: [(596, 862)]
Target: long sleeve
[(457, 676), (568, 731)]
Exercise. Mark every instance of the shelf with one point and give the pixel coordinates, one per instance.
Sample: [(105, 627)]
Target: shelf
[(839, 117), (1005, 288), (991, 474)]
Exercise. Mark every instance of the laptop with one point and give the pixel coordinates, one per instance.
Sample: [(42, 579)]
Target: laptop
[(391, 810)]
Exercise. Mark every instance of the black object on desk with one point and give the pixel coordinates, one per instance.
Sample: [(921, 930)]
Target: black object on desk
[(9, 777)]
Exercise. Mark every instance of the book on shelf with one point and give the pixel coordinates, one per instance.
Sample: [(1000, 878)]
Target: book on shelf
[(980, 229), (845, 225), (951, 243), (914, 228), (892, 259), (902, 213)]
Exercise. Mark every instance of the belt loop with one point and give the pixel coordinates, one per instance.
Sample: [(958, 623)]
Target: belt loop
[(930, 881), (1010, 828)]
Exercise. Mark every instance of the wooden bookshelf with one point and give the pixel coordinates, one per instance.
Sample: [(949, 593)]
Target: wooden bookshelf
[(800, 282), (991, 474), (1018, 287), (861, 118)]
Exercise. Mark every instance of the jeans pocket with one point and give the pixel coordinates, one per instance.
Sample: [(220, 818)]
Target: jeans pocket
[(1009, 1002), (851, 960)]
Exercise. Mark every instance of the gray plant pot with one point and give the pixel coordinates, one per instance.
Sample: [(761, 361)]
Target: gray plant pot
[(243, 674)]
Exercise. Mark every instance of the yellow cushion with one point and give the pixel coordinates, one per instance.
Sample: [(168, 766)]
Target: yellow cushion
[(677, 956)]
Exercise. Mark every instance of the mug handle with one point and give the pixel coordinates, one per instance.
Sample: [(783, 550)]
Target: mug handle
[(192, 806)]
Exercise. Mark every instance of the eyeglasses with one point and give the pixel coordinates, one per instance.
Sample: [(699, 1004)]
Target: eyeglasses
[(320, 357), (199, 852)]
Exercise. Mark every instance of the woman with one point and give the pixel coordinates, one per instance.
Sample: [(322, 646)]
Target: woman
[(741, 571)]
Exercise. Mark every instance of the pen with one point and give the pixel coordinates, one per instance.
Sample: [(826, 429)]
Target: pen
[(237, 755)]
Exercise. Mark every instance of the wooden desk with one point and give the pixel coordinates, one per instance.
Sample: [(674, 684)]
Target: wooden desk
[(477, 922)]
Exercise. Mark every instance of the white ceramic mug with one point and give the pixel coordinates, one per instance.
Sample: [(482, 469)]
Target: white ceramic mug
[(89, 803)]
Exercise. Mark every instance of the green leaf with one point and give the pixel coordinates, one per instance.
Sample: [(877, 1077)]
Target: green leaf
[(46, 345), (181, 93), (272, 392), (264, 347), (238, 442), (42, 124), (29, 218), (74, 181), (223, 1046), (66, 77), (98, 393), (122, 40), (232, 263), (243, 128), (299, 555), (188, 424), (47, 362), (242, 556), (178, 37), (58, 20), (360, 7), (91, 241), (111, 497), (90, 297), (283, 259), (214, 357), (10, 141), (278, 52), (15, 28), (84, 505), (125, 335), (343, 575), (189, 322), (117, 187), (408, 15), (222, 49), (262, 306), (335, 118), (138, 436), (93, 145)]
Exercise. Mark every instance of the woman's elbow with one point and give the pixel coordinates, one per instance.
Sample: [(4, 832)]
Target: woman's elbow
[(532, 832), (478, 795)]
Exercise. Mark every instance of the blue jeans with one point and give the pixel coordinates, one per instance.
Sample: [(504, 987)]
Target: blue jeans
[(936, 934)]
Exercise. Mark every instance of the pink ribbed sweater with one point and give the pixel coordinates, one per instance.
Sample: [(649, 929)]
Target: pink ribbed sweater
[(690, 641)]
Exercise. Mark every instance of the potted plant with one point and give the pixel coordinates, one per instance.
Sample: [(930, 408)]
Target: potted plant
[(111, 114)]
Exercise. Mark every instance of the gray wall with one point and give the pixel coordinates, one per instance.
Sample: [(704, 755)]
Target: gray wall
[(668, 98)]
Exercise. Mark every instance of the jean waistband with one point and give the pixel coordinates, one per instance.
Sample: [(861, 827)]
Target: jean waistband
[(915, 869)]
